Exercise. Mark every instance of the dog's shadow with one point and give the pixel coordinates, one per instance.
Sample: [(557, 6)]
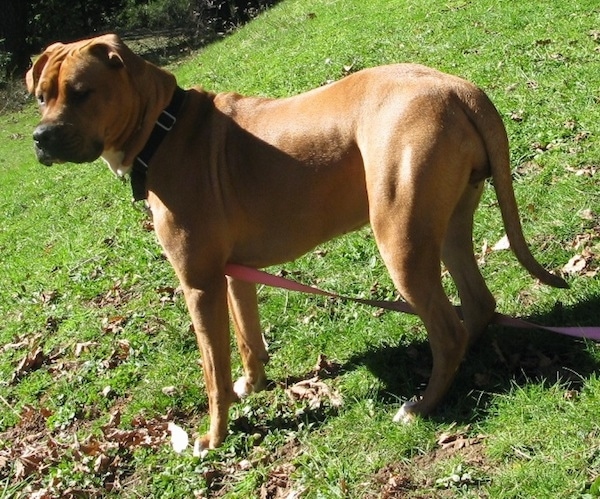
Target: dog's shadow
[(503, 358)]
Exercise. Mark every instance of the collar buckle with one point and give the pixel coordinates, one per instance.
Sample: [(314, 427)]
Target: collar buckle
[(166, 121)]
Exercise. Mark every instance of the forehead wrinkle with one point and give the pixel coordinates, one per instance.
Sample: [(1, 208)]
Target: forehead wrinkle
[(55, 56), (49, 84), (67, 73)]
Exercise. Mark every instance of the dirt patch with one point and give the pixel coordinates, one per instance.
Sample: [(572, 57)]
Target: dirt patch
[(279, 482), (427, 475)]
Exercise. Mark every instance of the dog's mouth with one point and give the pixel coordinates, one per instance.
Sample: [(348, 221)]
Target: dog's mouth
[(60, 144), (44, 158)]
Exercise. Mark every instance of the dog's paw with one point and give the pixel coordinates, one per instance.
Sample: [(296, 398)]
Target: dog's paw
[(242, 387), (200, 449), (406, 414)]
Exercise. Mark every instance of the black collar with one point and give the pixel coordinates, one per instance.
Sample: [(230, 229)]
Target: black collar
[(165, 122)]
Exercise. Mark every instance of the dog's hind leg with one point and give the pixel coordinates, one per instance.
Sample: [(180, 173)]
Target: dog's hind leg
[(416, 273), (478, 304), (409, 221), (243, 306), (413, 259)]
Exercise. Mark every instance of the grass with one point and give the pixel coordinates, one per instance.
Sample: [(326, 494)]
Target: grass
[(83, 281)]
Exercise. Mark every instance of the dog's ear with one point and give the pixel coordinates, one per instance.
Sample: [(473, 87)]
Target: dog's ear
[(108, 53), (33, 75)]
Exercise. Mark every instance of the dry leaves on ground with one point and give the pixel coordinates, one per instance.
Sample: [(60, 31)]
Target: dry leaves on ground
[(29, 450), (313, 390)]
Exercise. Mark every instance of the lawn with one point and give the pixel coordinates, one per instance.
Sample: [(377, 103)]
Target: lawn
[(96, 352)]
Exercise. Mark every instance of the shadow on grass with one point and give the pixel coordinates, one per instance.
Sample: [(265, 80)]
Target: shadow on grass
[(503, 358), (168, 45), (165, 47)]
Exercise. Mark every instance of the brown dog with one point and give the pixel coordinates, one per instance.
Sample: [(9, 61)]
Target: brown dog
[(258, 182)]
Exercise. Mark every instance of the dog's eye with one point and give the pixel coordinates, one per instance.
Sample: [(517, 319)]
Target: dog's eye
[(40, 100), (78, 95)]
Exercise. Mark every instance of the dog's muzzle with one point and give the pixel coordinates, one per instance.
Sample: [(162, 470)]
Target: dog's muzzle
[(59, 143)]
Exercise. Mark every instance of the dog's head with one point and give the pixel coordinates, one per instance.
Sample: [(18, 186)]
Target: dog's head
[(79, 88)]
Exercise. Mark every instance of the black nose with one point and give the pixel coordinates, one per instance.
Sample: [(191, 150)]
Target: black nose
[(42, 135)]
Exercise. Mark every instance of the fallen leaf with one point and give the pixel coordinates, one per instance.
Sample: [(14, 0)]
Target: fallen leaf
[(113, 324), (583, 240), (528, 168), (48, 297), (326, 367), (502, 244), (583, 171), (168, 294), (347, 69), (84, 347), (51, 324), (570, 394), (315, 392), (145, 434), (278, 483), (457, 440), (14, 346), (179, 438), (245, 464), (33, 360), (41, 494), (90, 447), (102, 463), (517, 116), (148, 225), (118, 355), (485, 250), (35, 451), (575, 265), (115, 296), (309, 318)]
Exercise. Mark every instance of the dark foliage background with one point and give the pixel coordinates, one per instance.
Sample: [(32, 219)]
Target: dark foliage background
[(29, 25)]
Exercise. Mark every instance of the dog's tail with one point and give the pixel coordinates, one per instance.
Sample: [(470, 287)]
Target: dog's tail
[(489, 124)]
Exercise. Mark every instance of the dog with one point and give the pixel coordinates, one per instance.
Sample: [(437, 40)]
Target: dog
[(258, 181)]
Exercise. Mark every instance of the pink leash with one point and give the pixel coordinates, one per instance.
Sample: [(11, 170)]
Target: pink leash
[(256, 276)]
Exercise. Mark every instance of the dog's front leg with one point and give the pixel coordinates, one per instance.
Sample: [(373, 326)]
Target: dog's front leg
[(208, 308), (243, 305)]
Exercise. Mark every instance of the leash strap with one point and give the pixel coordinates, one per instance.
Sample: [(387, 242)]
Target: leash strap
[(256, 276), (165, 122)]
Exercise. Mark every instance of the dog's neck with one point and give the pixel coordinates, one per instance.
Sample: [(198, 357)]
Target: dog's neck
[(114, 160), (138, 170)]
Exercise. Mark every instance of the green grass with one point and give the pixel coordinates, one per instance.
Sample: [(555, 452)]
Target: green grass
[(78, 266)]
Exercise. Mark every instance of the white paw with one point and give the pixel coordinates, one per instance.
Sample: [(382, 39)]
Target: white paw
[(242, 388), (405, 415), (199, 450)]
